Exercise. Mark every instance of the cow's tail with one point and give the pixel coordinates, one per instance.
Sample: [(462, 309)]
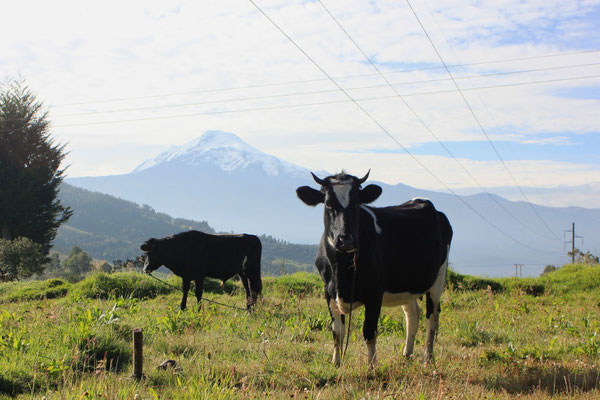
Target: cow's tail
[(446, 229), (252, 266)]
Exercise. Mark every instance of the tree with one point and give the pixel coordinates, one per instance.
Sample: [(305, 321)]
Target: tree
[(30, 173), (78, 262), (20, 259), (584, 258), (53, 268), (548, 269)]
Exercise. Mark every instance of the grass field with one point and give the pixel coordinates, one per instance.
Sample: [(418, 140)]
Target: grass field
[(499, 338)]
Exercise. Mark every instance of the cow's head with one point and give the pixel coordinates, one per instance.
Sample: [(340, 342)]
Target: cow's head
[(153, 258), (342, 196)]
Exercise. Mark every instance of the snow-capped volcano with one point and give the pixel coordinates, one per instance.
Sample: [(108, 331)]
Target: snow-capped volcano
[(237, 188), (225, 150)]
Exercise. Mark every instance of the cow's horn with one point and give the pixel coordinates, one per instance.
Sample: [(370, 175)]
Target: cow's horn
[(319, 180), (362, 180)]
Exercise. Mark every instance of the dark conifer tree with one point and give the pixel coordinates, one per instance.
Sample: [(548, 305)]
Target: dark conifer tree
[(30, 174)]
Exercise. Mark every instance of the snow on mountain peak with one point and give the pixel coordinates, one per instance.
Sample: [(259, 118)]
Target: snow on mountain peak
[(225, 150)]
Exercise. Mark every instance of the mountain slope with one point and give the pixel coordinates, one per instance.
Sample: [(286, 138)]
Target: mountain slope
[(221, 179), (110, 228)]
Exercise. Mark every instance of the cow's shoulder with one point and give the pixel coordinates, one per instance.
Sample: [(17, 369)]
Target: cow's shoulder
[(412, 207)]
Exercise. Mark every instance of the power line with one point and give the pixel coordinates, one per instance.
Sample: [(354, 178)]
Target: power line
[(481, 127), (426, 126), (387, 132), (388, 84), (322, 79), (308, 104), (490, 115)]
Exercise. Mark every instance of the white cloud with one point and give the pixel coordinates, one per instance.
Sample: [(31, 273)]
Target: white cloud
[(72, 51)]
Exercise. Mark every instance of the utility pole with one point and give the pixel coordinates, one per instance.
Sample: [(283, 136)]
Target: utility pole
[(572, 241), (518, 270)]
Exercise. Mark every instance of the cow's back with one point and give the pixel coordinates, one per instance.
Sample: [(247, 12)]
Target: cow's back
[(412, 246), (216, 256)]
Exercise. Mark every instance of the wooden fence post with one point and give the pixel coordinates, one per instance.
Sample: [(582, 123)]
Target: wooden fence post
[(138, 344)]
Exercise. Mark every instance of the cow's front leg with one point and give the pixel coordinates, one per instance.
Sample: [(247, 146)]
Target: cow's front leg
[(198, 289), (372, 311), (337, 327), (185, 289)]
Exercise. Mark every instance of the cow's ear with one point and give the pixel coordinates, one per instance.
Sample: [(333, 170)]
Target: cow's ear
[(370, 194), (310, 196), (147, 246)]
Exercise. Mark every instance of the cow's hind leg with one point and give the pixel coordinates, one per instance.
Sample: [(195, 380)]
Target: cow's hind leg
[(411, 315), (252, 271), (185, 288), (337, 327), (433, 309), (246, 283), (199, 289)]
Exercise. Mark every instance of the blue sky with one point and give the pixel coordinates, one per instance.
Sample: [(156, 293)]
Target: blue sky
[(161, 66), (571, 148)]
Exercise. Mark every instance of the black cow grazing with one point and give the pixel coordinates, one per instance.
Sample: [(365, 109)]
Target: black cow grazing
[(377, 257), (195, 255)]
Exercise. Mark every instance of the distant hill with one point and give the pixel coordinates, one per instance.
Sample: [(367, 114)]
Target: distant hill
[(110, 228), (221, 179)]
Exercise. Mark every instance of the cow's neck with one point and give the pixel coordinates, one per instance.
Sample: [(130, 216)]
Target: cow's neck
[(347, 275)]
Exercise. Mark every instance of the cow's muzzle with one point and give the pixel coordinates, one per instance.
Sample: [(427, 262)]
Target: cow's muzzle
[(345, 243)]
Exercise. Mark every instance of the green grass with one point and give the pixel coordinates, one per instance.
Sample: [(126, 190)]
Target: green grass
[(495, 342)]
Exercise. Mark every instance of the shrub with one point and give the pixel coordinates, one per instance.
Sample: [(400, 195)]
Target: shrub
[(573, 278), (530, 286), (34, 290), (20, 259), (299, 282), (122, 284), (467, 282), (14, 382)]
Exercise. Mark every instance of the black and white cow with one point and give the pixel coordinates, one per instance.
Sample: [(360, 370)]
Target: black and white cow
[(401, 254), (195, 255)]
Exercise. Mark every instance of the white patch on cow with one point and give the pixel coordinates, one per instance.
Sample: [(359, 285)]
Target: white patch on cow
[(330, 241), (438, 286), (371, 352), (411, 314), (372, 214), (397, 299), (342, 193), (433, 321), (245, 260), (344, 308), (338, 331), (338, 325)]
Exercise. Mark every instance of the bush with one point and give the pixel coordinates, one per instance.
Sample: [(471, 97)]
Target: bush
[(573, 278), (14, 382), (34, 290), (299, 282), (471, 283), (20, 259), (121, 284), (530, 286)]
